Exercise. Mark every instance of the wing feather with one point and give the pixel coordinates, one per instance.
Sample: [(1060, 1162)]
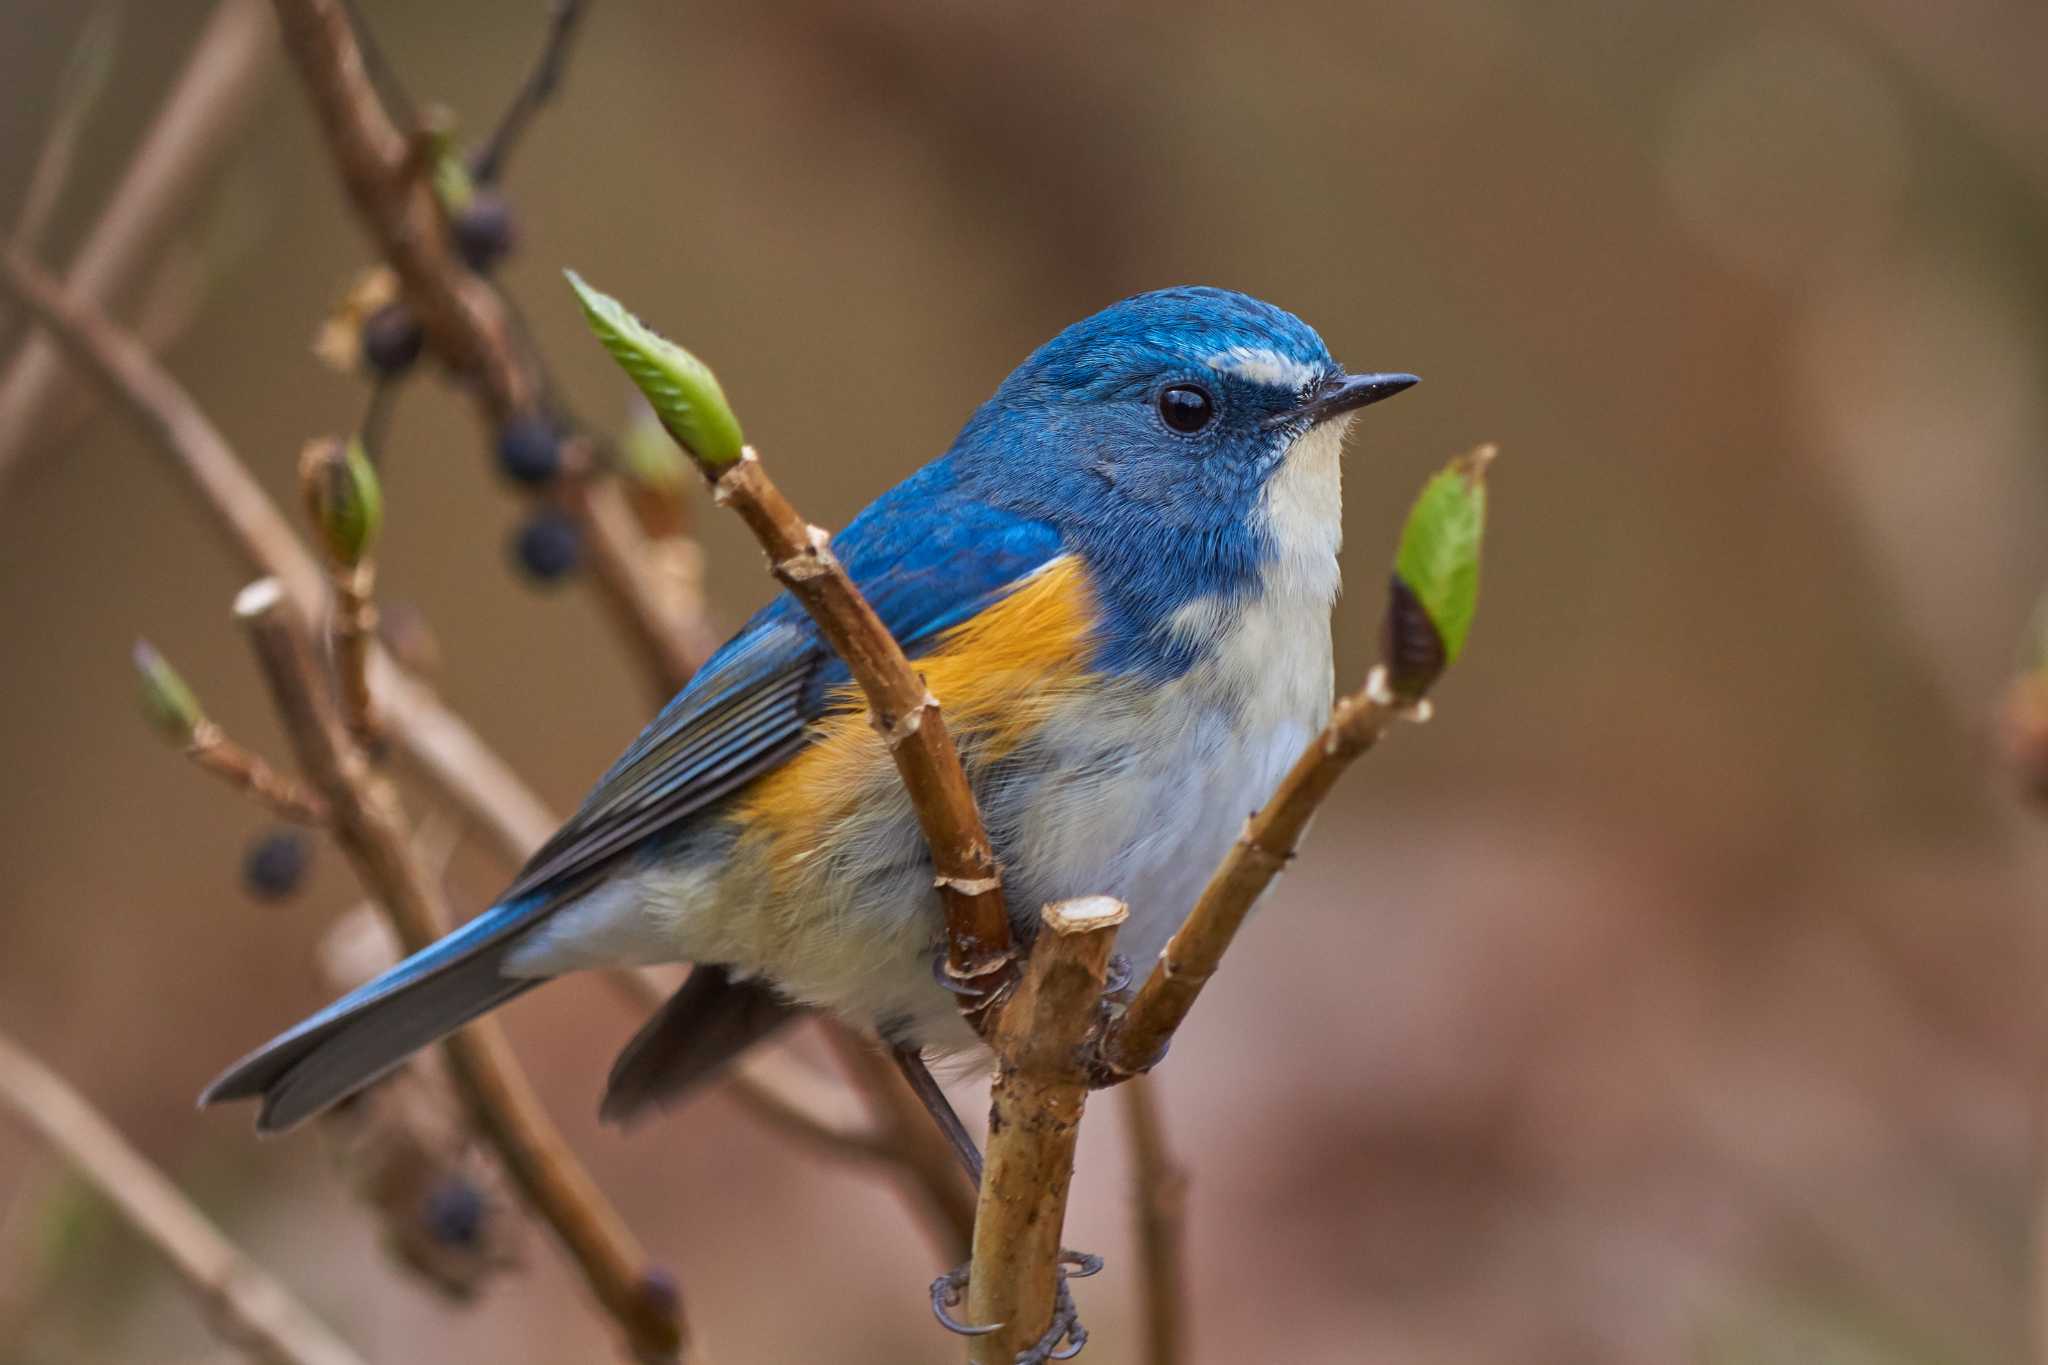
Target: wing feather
[(927, 557)]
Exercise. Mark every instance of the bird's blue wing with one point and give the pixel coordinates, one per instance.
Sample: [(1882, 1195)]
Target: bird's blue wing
[(925, 556)]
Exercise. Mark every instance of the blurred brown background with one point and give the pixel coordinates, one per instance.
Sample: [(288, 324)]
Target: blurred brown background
[(1673, 999)]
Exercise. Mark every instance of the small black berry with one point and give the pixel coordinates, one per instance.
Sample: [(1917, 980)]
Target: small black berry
[(484, 231), (454, 1212), (548, 546), (529, 449), (275, 865), (391, 340)]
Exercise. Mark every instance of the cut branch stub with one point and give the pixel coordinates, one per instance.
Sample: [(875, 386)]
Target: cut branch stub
[(1040, 1039)]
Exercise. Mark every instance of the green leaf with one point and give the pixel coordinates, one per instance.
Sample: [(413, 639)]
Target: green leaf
[(344, 497), (1438, 563), (683, 391), (167, 702)]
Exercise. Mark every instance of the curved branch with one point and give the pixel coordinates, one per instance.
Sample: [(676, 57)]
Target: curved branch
[(370, 826), (214, 95), (465, 320), (459, 764), (251, 1309)]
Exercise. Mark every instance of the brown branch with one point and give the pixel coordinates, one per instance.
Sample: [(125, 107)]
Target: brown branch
[(904, 713), (1261, 851), (1159, 1187), (465, 320), (213, 97), (371, 827), (355, 634), (465, 771), (1040, 1038), (212, 750), (402, 1144), (247, 1306)]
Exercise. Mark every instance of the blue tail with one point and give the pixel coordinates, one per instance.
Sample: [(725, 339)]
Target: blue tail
[(372, 1029)]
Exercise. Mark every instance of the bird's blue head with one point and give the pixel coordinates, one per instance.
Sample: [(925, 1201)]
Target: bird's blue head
[(1186, 441)]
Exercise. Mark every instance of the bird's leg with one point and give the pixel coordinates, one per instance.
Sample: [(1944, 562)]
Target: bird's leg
[(1065, 1336), (926, 1087)]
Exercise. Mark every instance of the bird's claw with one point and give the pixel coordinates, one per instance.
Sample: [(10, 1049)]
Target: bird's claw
[(947, 1292), (1064, 1336), (1118, 978), (946, 979)]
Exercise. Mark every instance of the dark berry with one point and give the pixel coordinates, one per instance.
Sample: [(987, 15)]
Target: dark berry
[(659, 1290), (391, 340), (484, 231), (548, 546), (275, 864), (454, 1212), (529, 449)]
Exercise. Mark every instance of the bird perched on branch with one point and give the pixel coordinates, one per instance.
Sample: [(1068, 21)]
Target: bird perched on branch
[(1118, 582)]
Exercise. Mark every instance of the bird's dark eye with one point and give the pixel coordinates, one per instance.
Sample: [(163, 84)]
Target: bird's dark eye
[(1187, 408)]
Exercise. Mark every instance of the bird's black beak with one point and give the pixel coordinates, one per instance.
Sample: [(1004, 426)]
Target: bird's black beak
[(1334, 397)]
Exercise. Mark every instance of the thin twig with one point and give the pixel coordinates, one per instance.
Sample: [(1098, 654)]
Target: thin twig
[(213, 97), (355, 635), (371, 827), (403, 1144), (464, 318), (249, 1308), (1041, 1084), (1261, 851), (538, 88), (78, 92), (1159, 1188), (212, 750), (906, 715), (467, 773)]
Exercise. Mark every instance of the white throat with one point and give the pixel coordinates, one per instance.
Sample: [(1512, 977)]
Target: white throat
[(1303, 511)]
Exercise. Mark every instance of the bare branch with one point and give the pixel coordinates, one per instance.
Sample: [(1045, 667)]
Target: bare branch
[(1159, 1188), (213, 97), (212, 750), (1262, 850), (465, 320), (471, 777), (371, 827), (1040, 1036), (403, 1145), (85, 76), (250, 1309), (687, 399), (538, 88), (904, 713)]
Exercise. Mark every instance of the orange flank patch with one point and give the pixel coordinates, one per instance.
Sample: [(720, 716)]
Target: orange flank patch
[(997, 677)]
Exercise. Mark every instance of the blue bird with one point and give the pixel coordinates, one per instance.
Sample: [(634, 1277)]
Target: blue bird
[(1118, 582)]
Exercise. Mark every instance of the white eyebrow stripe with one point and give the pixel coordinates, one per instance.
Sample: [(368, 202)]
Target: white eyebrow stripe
[(1263, 366)]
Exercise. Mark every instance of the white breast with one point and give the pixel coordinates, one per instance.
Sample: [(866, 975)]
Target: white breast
[(1199, 755)]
